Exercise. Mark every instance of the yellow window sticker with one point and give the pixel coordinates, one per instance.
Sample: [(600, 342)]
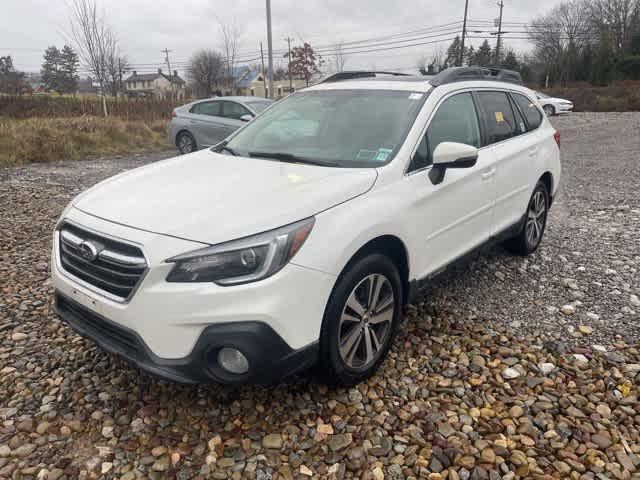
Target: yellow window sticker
[(499, 117)]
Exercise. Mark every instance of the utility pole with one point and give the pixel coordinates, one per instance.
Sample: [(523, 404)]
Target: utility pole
[(464, 33), (501, 5), (289, 65), (119, 89), (166, 59), (270, 48), (264, 74)]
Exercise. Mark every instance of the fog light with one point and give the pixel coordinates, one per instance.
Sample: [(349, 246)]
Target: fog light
[(233, 360)]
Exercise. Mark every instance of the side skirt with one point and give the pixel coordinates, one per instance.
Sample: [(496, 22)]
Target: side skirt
[(417, 285)]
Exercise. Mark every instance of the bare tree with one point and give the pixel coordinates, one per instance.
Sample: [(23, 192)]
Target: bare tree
[(94, 40), (230, 34), (615, 19), (206, 69), (339, 57), (560, 35), (117, 66)]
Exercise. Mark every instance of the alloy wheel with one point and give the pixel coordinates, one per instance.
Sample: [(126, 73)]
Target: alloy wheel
[(548, 110), (185, 143), (536, 218), (366, 321)]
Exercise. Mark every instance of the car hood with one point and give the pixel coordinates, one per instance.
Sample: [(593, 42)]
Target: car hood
[(212, 198)]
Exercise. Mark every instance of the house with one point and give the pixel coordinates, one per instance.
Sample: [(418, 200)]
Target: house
[(259, 88), (158, 85)]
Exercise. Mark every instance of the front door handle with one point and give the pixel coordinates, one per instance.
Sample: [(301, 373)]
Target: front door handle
[(488, 174)]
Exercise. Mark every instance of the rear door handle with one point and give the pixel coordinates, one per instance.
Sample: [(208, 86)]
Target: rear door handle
[(488, 174), (533, 151)]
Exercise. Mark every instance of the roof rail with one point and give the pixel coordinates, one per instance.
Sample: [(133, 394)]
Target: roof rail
[(463, 74), (351, 75)]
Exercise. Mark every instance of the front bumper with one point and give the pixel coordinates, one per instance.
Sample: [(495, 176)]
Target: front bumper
[(270, 358)]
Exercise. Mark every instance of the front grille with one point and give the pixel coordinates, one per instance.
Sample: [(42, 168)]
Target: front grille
[(110, 265), (103, 331)]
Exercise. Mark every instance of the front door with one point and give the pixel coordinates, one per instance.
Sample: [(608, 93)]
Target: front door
[(456, 215)]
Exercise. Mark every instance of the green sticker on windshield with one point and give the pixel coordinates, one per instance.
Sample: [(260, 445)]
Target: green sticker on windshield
[(383, 154)]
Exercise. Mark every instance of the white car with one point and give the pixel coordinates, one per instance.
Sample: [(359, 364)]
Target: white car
[(299, 240), (554, 106)]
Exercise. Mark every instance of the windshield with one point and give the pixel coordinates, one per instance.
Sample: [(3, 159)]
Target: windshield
[(340, 128), (259, 106)]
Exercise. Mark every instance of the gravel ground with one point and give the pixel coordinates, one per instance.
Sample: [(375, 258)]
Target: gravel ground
[(510, 368)]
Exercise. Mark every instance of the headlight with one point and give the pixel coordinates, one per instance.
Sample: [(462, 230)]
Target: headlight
[(242, 261)]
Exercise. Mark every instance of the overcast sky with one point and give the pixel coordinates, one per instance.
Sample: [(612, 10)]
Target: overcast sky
[(145, 27)]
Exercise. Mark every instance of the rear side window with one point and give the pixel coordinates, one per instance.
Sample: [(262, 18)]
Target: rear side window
[(454, 121), (497, 116), (207, 108), (530, 111)]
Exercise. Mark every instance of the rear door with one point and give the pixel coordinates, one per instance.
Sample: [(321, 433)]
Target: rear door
[(207, 123), (504, 136)]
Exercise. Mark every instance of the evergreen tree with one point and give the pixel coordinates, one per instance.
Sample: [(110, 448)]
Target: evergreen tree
[(50, 70), (483, 56), (510, 61), (469, 55), (453, 52), (68, 70)]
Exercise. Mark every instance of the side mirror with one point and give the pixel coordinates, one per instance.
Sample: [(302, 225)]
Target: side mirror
[(451, 155), (246, 117)]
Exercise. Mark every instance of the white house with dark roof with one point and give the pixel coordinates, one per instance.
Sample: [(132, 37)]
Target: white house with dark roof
[(155, 85)]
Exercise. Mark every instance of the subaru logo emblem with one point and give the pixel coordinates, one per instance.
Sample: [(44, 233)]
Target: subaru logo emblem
[(88, 251)]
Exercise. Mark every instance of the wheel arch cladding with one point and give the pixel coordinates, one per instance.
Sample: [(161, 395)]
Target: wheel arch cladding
[(547, 179), (392, 247)]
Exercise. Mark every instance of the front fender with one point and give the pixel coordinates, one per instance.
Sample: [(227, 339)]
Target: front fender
[(341, 231)]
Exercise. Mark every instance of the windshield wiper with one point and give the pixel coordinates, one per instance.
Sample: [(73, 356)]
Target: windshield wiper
[(289, 157), (223, 146)]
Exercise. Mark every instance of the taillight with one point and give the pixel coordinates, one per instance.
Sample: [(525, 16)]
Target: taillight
[(556, 137), (173, 114)]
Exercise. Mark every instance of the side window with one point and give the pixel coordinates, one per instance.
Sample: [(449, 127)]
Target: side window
[(497, 116), (207, 108), (455, 121), (233, 110), (529, 109)]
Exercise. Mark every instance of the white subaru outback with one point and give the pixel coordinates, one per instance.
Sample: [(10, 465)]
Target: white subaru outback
[(298, 240)]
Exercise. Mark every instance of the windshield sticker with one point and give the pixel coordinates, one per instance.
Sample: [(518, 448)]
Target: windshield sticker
[(366, 154), (416, 96), (499, 117), (383, 154)]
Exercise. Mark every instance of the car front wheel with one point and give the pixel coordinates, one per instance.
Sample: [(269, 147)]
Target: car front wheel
[(360, 320), (549, 110)]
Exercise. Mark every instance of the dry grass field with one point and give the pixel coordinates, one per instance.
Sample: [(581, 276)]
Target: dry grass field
[(47, 139)]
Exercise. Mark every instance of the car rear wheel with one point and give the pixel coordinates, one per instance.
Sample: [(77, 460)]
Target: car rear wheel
[(549, 110), (186, 143), (530, 236), (360, 320)]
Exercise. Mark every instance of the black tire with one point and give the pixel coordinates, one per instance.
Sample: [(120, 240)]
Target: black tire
[(549, 110), (186, 143), (524, 243), (367, 272)]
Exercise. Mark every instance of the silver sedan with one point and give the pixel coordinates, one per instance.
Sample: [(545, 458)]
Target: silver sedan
[(204, 123)]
